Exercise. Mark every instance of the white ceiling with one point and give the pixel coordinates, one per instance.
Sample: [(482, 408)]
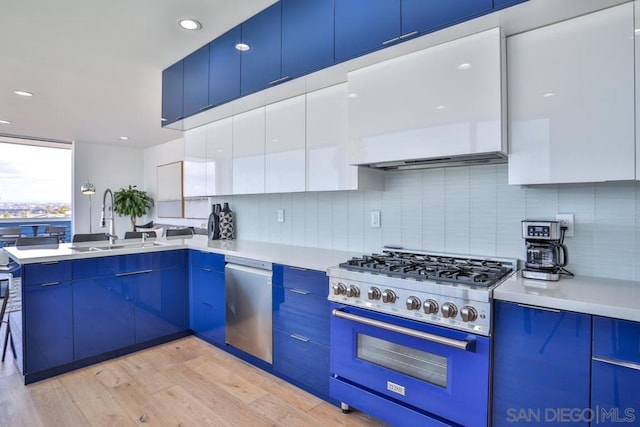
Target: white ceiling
[(95, 67)]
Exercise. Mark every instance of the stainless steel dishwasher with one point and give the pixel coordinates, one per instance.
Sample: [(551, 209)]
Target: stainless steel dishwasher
[(248, 306)]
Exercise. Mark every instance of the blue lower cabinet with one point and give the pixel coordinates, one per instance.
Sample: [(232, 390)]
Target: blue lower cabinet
[(103, 315), (160, 304), (614, 394), (48, 320), (301, 360), (301, 313), (541, 366), (208, 302)]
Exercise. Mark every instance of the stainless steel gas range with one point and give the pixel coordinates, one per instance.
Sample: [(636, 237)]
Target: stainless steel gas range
[(410, 335)]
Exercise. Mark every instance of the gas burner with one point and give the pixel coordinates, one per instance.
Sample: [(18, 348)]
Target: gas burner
[(419, 266)]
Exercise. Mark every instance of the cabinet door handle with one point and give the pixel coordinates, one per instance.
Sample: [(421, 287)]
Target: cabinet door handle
[(614, 362), (406, 36), (299, 268), (208, 270), (393, 40), (207, 107), (50, 284), (535, 307), (298, 291), (207, 304), (299, 337), (133, 273), (280, 80), (50, 262)]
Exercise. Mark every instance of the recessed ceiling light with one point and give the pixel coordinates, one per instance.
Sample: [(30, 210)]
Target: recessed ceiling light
[(441, 107), (549, 95), (189, 24), (464, 66), (5, 122), (242, 47), (22, 93), (124, 138), (352, 95)]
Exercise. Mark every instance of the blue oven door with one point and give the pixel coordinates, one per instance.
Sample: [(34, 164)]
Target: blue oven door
[(436, 370)]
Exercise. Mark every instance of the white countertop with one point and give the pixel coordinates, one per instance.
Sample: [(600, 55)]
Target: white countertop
[(591, 295), (297, 256)]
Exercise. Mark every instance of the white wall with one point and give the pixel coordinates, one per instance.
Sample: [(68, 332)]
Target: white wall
[(106, 166)]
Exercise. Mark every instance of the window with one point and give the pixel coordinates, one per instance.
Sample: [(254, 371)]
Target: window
[(35, 179)]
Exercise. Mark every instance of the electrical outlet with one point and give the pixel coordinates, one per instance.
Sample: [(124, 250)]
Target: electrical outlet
[(280, 215), (566, 220), (375, 219)]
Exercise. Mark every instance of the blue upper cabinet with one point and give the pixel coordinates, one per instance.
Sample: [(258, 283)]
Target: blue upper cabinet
[(362, 26), (172, 93), (260, 65), (224, 67), (196, 82), (419, 16), (307, 36), (501, 4)]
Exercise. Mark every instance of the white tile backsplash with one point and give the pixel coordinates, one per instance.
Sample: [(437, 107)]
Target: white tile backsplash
[(463, 209)]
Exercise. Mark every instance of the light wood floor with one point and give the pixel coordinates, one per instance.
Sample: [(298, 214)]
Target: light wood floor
[(183, 383)]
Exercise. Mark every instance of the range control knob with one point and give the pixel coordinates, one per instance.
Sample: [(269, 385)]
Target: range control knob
[(449, 310), (430, 306), (468, 313), (413, 303), (374, 293), (353, 291), (339, 289), (388, 296)]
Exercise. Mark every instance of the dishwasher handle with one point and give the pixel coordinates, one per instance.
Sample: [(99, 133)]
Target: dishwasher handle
[(247, 262), (230, 268)]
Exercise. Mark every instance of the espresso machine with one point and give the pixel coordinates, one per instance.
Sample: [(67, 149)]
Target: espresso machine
[(546, 254)]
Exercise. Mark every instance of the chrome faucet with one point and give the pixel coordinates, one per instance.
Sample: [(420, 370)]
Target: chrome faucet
[(112, 225)]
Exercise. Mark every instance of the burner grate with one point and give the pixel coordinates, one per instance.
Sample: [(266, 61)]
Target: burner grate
[(470, 271)]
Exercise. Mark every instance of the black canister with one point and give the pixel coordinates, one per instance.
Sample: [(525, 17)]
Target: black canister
[(227, 225), (213, 226)]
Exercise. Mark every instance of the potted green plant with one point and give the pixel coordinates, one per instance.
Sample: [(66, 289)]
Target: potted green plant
[(131, 202)]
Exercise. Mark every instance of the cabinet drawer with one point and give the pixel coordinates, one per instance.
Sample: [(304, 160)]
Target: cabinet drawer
[(303, 361), (614, 391), (46, 272), (207, 259), (313, 281), (616, 339), (110, 265), (303, 314)]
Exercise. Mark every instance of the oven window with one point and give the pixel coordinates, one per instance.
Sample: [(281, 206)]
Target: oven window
[(406, 360)]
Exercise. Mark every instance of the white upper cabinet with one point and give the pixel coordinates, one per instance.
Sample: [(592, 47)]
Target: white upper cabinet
[(446, 100), (219, 157), (195, 162), (571, 100), (248, 152), (637, 85), (328, 167), (285, 146)]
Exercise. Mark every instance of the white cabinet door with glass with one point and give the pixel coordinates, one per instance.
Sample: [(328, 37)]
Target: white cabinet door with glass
[(248, 152), (328, 167), (571, 100), (285, 146), (446, 100)]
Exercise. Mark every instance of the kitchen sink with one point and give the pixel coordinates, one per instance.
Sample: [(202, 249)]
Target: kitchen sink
[(123, 245)]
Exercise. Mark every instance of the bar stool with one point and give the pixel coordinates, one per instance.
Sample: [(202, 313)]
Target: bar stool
[(5, 288)]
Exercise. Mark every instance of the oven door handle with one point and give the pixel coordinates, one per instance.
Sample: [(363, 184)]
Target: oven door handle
[(460, 345)]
